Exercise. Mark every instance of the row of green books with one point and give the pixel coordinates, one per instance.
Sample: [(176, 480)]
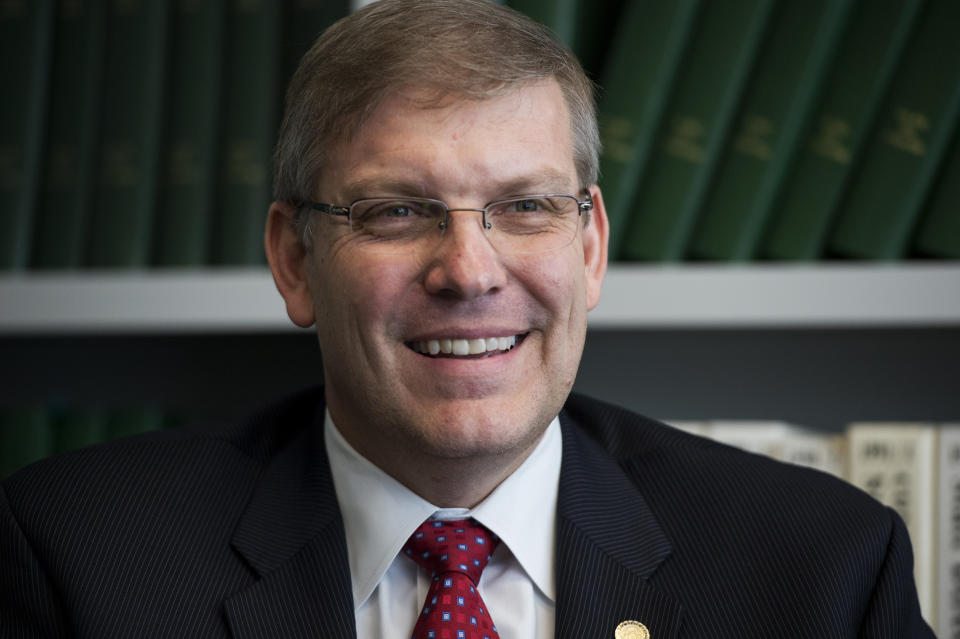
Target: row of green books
[(139, 132), (28, 434), (913, 467), (783, 130)]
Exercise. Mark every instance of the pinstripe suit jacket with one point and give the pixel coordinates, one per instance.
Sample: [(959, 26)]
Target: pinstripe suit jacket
[(237, 533)]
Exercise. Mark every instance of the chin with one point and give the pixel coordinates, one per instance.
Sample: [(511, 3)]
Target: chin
[(480, 430)]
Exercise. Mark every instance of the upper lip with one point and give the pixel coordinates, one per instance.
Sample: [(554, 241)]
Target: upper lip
[(466, 333)]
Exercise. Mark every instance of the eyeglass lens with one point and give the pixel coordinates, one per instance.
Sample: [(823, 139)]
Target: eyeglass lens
[(530, 224)]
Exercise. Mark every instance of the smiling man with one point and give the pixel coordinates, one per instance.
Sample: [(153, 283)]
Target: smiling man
[(438, 222)]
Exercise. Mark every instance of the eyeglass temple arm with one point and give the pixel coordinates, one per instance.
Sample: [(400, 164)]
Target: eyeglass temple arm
[(343, 211), (587, 204)]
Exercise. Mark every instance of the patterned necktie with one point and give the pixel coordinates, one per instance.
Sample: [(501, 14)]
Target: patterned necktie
[(455, 553)]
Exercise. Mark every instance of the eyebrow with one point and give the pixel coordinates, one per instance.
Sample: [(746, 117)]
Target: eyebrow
[(545, 180)]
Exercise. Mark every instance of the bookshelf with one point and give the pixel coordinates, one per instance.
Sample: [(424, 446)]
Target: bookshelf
[(818, 345), (904, 294)]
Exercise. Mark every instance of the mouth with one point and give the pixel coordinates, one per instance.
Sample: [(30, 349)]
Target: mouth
[(461, 348)]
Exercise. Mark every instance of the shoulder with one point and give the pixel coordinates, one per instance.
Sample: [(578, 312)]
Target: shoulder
[(695, 485), (156, 471)]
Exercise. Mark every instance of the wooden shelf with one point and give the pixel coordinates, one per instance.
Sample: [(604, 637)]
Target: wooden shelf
[(634, 296)]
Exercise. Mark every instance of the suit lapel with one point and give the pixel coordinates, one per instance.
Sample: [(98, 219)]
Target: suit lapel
[(292, 536), (608, 545)]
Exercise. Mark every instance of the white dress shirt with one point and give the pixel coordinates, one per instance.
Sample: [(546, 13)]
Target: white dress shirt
[(379, 514)]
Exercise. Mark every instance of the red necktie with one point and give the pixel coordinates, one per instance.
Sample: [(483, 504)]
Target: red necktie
[(455, 553)]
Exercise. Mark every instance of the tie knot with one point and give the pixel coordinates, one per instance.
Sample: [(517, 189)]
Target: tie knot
[(462, 545)]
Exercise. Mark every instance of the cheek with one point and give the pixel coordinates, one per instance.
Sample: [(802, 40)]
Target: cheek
[(356, 293), (558, 284)]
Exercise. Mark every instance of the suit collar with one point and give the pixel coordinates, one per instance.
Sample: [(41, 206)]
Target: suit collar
[(609, 544), (291, 535)]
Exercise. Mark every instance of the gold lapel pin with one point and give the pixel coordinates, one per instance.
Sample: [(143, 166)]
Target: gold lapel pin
[(631, 629)]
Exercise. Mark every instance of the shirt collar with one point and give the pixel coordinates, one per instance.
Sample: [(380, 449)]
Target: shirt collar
[(379, 513)]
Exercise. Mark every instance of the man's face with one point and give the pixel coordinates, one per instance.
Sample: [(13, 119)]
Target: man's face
[(372, 311)]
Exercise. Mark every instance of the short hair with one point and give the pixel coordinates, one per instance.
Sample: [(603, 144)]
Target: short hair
[(472, 48)]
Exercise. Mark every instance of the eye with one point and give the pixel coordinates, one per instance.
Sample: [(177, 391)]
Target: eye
[(527, 206), (381, 211), (397, 210)]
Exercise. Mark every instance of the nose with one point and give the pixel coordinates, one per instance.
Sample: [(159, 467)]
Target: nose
[(463, 264)]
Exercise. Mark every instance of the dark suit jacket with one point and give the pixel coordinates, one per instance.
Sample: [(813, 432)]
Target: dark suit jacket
[(237, 533)]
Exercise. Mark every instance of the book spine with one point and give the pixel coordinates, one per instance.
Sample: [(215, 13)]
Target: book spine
[(188, 185), (948, 533), (25, 35), (249, 116), (70, 157), (834, 140), (780, 98), (939, 232), (895, 463), (634, 97), (25, 437), (126, 422), (560, 16), (879, 213), (304, 21), (74, 429), (131, 120), (707, 93)]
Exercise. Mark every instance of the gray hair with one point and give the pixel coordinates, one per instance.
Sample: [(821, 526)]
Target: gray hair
[(472, 48)]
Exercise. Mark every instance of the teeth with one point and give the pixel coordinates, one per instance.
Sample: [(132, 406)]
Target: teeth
[(462, 347)]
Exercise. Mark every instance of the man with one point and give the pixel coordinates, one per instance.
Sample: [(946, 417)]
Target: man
[(437, 218)]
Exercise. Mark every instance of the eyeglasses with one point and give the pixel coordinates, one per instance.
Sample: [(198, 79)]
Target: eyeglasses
[(519, 225)]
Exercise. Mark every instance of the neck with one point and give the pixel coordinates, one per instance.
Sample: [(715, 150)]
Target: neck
[(442, 478)]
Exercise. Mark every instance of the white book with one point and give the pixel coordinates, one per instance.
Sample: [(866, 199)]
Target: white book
[(948, 534), (896, 463), (755, 436), (690, 426), (821, 450), (785, 442)]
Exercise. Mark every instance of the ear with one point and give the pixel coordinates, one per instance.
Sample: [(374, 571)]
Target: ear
[(596, 234), (288, 263)]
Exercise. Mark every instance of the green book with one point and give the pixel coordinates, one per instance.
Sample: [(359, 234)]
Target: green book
[(68, 171), (634, 96), (25, 34), (25, 437), (249, 119), (582, 25), (779, 100), (698, 118), (860, 74), (74, 429), (126, 422), (130, 131), (939, 231), (304, 21), (878, 214), (189, 167), (559, 15)]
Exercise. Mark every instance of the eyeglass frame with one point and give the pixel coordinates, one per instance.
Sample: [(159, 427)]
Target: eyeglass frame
[(583, 206)]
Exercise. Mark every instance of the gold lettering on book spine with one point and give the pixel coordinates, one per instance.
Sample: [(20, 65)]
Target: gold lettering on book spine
[(832, 139), (753, 139), (906, 132), (685, 140), (616, 133)]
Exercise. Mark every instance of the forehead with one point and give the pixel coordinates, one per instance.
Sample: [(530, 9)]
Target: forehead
[(452, 145)]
